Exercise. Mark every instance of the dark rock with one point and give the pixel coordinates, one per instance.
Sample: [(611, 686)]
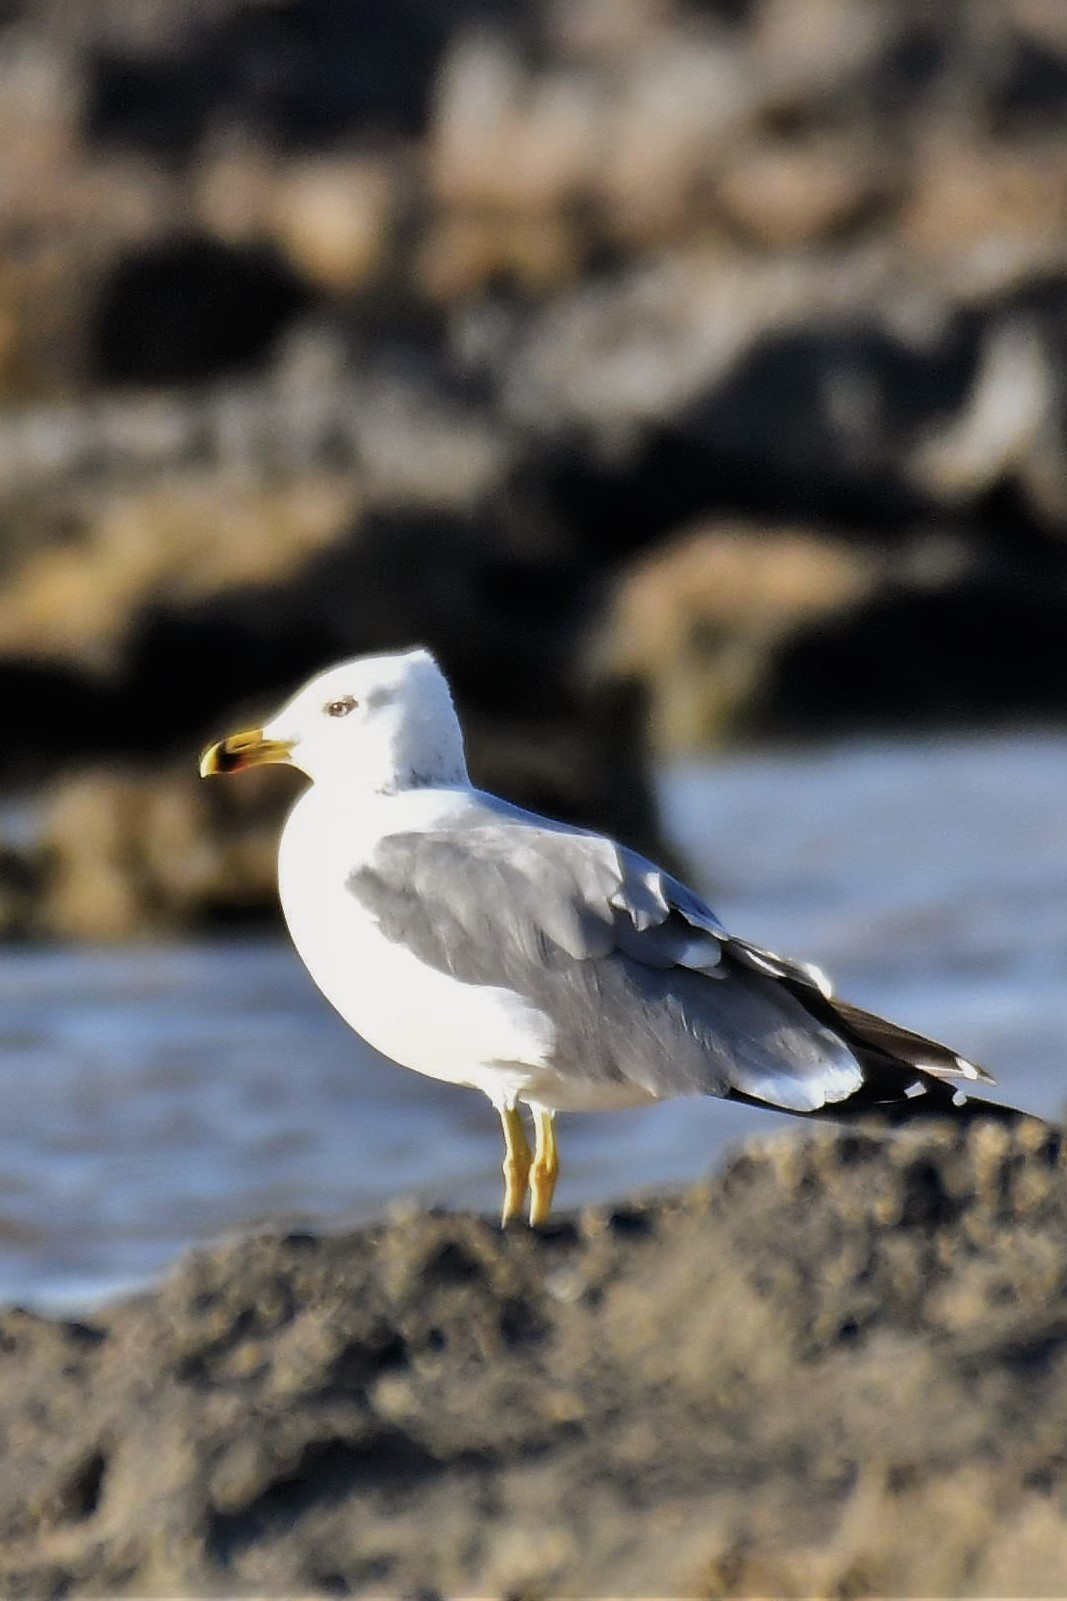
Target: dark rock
[(933, 656), (301, 73), (757, 1386), (53, 709), (191, 308)]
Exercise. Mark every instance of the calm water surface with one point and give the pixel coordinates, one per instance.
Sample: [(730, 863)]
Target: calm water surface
[(155, 1097)]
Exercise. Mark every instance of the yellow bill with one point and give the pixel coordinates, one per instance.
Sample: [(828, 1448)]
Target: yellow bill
[(249, 749)]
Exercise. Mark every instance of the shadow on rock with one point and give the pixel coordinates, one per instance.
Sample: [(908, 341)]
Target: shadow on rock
[(981, 650)]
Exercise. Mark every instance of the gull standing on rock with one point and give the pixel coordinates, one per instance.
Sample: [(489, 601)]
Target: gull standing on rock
[(546, 966)]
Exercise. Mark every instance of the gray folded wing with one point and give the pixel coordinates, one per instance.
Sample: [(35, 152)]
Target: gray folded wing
[(642, 983)]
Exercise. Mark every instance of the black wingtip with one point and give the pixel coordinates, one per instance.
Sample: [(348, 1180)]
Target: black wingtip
[(956, 1106), (937, 1100)]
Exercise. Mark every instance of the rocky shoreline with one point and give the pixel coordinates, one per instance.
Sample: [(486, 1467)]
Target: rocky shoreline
[(839, 1367)]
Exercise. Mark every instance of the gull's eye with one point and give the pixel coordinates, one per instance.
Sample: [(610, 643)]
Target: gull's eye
[(342, 707)]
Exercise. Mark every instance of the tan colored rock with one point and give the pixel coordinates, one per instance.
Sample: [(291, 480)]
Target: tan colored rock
[(333, 217), (805, 50), (1044, 21), (970, 196), (178, 537), (66, 211), (607, 29), (505, 140), (463, 253), (788, 194), (479, 87), (510, 155), (234, 187), (697, 620), (126, 853), (674, 111), (88, 833)]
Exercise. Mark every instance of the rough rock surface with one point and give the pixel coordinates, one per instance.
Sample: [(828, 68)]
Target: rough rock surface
[(838, 1368)]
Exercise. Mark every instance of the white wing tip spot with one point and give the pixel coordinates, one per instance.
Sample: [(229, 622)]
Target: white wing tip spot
[(915, 1089), (820, 979)]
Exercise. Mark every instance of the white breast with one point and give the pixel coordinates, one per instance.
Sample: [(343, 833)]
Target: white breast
[(487, 1038)]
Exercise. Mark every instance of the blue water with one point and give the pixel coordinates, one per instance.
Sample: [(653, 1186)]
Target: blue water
[(154, 1097)]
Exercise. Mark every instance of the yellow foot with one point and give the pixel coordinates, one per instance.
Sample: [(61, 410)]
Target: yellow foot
[(516, 1165), (545, 1169)]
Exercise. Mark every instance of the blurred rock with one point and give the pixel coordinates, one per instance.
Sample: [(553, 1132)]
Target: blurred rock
[(927, 654), (465, 253), (1042, 20), (127, 854), (607, 30), (807, 51), (676, 106), (91, 834), (22, 878), (333, 218), (324, 332), (74, 596), (993, 199), (815, 1374), (697, 623), (189, 308), (506, 140), (65, 217), (794, 193), (298, 73), (1006, 425)]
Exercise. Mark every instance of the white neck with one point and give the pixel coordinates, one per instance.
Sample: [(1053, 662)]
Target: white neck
[(424, 752)]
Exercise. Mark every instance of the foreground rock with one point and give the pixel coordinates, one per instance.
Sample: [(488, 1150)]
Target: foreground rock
[(840, 1368)]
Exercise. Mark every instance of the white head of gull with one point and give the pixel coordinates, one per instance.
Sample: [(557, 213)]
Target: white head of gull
[(547, 966), (378, 723)]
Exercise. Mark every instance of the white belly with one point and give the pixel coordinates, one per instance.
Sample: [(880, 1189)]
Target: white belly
[(477, 1035)]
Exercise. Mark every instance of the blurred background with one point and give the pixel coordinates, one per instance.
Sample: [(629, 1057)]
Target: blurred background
[(689, 374)]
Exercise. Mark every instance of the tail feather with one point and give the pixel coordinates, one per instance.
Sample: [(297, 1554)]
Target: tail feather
[(906, 1075), (904, 1045)]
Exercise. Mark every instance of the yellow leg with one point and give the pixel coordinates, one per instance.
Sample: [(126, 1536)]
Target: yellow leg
[(516, 1165), (545, 1170)]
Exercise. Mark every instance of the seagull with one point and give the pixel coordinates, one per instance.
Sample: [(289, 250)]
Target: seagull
[(546, 965)]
